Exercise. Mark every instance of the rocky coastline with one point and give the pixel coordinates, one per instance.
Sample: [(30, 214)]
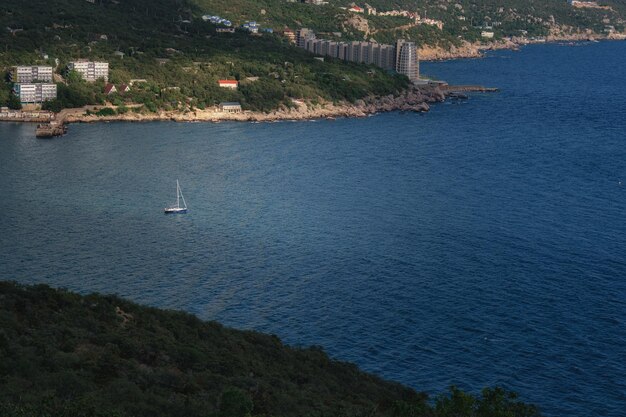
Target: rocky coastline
[(478, 49), (416, 99)]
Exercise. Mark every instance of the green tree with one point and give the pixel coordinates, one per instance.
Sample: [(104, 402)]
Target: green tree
[(458, 403), (14, 102), (235, 403), (74, 77)]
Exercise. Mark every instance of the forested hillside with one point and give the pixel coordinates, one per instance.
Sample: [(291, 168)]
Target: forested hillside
[(181, 56), (462, 19), (66, 355)]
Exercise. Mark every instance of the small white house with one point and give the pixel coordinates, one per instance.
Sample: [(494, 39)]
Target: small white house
[(230, 107)]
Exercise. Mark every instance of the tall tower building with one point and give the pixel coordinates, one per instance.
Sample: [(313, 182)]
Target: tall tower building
[(407, 61)]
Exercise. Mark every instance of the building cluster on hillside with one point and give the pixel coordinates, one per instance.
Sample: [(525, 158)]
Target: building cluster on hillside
[(366, 9), (587, 4), (401, 57), (404, 13), (216, 20), (33, 84), (415, 16), (430, 22), (252, 27), (315, 2)]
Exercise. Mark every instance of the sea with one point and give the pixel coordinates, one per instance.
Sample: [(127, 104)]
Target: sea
[(482, 243)]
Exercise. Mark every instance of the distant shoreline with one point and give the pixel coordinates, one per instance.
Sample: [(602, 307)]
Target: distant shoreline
[(477, 49), (416, 98)]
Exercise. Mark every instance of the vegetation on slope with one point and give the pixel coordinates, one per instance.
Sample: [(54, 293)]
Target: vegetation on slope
[(464, 18), (181, 56), (181, 61), (69, 355), (532, 16)]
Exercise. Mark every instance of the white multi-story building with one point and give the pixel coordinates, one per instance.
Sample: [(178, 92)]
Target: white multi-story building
[(407, 61), (29, 93), (90, 70), (28, 74)]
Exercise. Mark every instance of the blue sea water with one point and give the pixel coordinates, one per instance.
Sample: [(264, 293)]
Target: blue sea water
[(480, 244)]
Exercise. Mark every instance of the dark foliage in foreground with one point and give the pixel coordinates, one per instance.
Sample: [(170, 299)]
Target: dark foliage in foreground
[(63, 354)]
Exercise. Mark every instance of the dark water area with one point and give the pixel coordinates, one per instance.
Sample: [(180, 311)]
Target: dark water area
[(480, 244)]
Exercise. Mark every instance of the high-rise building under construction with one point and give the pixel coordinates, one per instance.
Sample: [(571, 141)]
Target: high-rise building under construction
[(401, 57), (407, 61)]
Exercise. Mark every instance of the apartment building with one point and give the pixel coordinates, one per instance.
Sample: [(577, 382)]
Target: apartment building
[(90, 70), (401, 57), (385, 56), (29, 74), (32, 93)]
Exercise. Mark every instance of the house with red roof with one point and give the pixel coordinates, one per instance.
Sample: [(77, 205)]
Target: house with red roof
[(228, 84), (110, 89)]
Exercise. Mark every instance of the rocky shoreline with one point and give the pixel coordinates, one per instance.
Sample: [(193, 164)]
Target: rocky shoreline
[(417, 99), (478, 49)]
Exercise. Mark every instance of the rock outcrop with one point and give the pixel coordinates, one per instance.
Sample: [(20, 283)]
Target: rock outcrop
[(476, 49), (465, 50)]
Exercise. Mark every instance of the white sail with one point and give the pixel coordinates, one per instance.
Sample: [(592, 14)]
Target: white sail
[(179, 196), (180, 193)]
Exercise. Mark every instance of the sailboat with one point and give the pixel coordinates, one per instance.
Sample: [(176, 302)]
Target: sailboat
[(177, 208)]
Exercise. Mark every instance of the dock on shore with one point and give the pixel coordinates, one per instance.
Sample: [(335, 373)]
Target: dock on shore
[(49, 124)]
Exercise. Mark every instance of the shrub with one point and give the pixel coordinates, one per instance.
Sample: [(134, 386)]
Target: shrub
[(107, 111)]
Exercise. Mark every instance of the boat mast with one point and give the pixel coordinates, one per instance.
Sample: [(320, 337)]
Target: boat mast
[(183, 197), (177, 194)]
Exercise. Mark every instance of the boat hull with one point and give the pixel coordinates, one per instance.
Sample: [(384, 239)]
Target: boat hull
[(175, 210)]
